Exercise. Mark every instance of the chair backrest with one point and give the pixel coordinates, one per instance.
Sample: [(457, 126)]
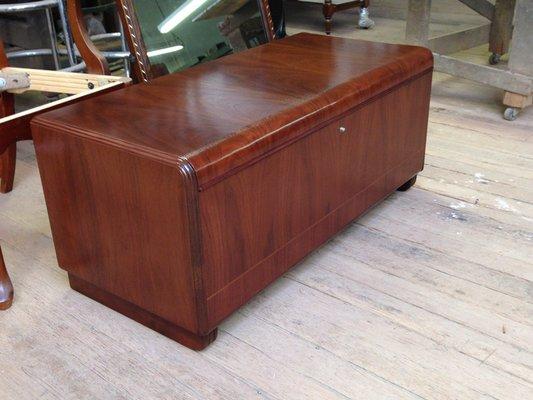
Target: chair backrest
[(142, 69), (94, 59)]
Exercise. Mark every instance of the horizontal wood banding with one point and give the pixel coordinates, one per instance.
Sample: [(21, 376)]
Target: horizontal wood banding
[(142, 316)]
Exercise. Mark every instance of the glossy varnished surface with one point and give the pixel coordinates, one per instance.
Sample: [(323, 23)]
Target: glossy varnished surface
[(6, 287), (175, 202), (116, 223), (223, 114), (276, 211)]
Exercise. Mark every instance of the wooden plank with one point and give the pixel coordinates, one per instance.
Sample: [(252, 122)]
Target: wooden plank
[(517, 100), (349, 379), (20, 122), (482, 7), (61, 82), (417, 24), (365, 288), (521, 55), (461, 40), (13, 81), (392, 354), (501, 79)]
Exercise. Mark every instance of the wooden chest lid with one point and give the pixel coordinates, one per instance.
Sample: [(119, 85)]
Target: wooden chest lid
[(224, 114)]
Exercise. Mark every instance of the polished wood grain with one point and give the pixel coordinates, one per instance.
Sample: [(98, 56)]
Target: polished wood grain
[(6, 287), (131, 204), (8, 160), (93, 58), (189, 194), (11, 132), (173, 331), (232, 111), (8, 148), (8, 154), (275, 212)]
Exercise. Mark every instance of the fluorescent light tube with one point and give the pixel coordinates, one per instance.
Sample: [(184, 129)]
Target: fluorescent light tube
[(179, 15), (166, 50)]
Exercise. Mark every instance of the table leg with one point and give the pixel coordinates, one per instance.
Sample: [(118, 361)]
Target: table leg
[(501, 29), (520, 56)]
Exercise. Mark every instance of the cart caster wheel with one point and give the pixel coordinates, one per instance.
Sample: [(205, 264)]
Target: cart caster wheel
[(407, 185), (510, 113), (494, 59)]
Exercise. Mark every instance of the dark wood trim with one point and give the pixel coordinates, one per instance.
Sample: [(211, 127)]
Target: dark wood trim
[(8, 149), (158, 324), (407, 185), (195, 241), (6, 288), (142, 69), (267, 19), (8, 161), (95, 61)]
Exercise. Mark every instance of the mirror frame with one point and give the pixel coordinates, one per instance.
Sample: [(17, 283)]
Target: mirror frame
[(142, 69)]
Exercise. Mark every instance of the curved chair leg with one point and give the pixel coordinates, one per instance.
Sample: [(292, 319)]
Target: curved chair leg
[(6, 288), (407, 185), (8, 161), (328, 9)]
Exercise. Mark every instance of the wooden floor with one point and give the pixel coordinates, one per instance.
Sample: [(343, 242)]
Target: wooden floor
[(428, 296)]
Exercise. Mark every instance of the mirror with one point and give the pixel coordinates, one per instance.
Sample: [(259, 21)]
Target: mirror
[(171, 35)]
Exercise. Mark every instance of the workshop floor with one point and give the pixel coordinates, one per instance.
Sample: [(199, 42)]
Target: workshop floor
[(428, 296)]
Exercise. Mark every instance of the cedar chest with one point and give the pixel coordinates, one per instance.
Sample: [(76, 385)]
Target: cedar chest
[(174, 202)]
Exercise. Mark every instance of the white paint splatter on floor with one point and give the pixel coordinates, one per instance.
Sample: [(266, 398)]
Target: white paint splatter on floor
[(503, 205), (480, 178)]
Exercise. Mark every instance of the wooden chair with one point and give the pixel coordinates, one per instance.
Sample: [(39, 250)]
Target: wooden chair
[(330, 8), (16, 127), (8, 150), (142, 69)]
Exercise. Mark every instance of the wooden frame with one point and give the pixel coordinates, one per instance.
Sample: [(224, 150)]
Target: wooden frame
[(94, 60)]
